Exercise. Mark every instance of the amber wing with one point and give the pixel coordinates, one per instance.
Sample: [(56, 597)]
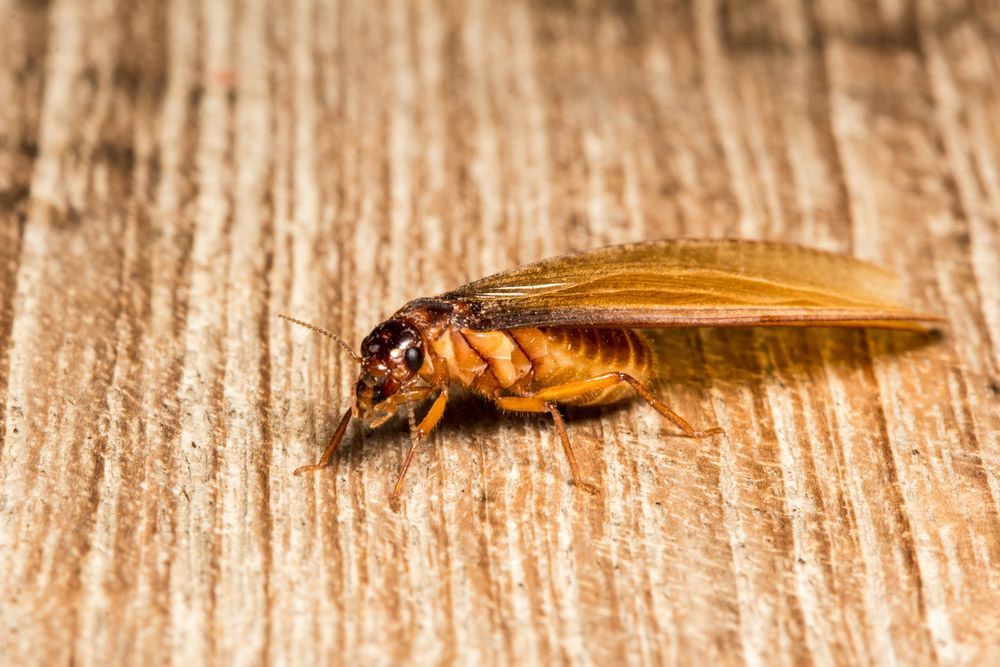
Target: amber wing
[(690, 283)]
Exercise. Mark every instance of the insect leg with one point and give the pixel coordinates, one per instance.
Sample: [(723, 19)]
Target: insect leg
[(520, 404), (338, 437), (570, 390), (429, 421)]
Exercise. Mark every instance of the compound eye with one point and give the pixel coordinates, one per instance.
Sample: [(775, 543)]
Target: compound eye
[(414, 358)]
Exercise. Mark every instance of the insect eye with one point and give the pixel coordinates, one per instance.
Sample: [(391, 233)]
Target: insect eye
[(414, 358)]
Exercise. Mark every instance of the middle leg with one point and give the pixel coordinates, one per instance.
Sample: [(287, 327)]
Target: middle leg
[(519, 404)]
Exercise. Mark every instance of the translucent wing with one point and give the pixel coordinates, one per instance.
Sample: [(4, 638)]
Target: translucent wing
[(689, 284)]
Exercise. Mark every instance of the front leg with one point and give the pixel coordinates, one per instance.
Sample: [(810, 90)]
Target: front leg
[(426, 425), (331, 448)]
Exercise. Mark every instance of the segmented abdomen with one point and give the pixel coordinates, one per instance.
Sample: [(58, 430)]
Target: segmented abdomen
[(524, 361), (580, 354)]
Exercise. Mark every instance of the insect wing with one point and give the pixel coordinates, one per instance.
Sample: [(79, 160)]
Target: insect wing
[(690, 283)]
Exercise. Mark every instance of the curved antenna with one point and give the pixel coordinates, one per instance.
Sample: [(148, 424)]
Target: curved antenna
[(329, 334)]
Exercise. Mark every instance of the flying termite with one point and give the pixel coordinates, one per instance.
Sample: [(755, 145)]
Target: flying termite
[(563, 331)]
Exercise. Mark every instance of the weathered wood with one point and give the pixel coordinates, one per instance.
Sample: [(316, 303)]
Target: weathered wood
[(172, 175)]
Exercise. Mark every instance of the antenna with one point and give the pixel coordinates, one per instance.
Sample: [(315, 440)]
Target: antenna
[(329, 334)]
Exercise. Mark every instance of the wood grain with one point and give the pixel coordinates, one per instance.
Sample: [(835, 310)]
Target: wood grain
[(174, 174)]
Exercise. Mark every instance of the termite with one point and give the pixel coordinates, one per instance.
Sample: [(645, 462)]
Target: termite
[(563, 331)]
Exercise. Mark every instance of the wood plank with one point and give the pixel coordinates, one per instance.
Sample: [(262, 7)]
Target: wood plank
[(174, 175)]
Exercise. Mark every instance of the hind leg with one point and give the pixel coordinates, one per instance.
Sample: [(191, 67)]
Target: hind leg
[(570, 390)]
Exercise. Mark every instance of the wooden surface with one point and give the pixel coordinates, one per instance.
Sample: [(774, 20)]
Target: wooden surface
[(174, 174)]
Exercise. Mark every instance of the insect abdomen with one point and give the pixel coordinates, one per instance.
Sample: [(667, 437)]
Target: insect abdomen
[(523, 361), (572, 355)]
